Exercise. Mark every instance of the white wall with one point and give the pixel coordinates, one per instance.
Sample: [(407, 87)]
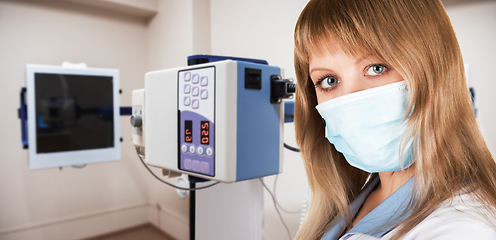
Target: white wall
[(69, 203), (475, 27)]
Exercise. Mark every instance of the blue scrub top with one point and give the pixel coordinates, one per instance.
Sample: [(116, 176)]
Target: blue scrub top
[(379, 221)]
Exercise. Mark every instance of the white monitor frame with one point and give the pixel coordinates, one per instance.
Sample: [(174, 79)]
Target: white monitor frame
[(59, 159)]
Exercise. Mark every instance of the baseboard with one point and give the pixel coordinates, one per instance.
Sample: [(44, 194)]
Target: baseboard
[(125, 233), (101, 223), (172, 224), (81, 226)]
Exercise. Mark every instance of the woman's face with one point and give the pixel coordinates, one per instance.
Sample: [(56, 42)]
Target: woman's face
[(337, 74)]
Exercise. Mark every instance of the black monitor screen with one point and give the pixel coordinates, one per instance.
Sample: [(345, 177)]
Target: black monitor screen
[(73, 112)]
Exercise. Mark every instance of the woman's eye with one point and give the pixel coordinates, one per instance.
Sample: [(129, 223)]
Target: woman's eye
[(328, 82), (376, 69)]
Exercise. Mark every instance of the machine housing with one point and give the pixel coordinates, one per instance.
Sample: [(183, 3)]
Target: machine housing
[(213, 121)]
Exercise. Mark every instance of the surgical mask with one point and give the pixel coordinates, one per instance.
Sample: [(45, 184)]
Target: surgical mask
[(367, 127)]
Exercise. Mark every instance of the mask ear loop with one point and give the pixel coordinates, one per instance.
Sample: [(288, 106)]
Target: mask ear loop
[(406, 137)]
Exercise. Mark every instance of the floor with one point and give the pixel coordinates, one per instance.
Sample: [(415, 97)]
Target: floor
[(147, 232)]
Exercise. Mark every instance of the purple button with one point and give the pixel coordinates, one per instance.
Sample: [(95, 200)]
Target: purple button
[(187, 76), (196, 165), (204, 81), (187, 164), (209, 152), (196, 91), (204, 167), (192, 149), (204, 94), (199, 150), (187, 88), (196, 79), (196, 104), (187, 101)]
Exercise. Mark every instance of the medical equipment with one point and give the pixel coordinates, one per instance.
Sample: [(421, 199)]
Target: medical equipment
[(470, 88), (217, 120), (73, 115)]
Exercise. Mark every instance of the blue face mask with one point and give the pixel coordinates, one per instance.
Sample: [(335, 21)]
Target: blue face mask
[(367, 127)]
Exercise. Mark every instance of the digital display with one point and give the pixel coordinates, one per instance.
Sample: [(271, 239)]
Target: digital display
[(188, 131), (205, 132)]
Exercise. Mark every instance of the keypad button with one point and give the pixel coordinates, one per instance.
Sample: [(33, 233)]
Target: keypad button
[(209, 152), (192, 149), (187, 88), (184, 148), (204, 81), (196, 91), (204, 94), (204, 167), (196, 104), (187, 76), (196, 165), (196, 79), (187, 164), (187, 101), (199, 150)]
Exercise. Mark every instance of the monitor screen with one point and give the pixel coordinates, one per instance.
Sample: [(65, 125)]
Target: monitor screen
[(75, 115), (73, 112)]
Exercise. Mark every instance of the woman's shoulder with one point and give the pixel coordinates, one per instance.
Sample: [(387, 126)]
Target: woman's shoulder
[(461, 217), (465, 207)]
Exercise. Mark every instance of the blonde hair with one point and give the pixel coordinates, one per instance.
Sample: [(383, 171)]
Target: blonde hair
[(416, 38)]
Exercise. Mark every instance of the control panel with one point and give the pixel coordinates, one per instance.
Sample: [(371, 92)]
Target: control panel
[(196, 105)]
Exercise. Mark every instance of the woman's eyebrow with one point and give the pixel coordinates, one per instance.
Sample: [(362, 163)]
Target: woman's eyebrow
[(319, 69)]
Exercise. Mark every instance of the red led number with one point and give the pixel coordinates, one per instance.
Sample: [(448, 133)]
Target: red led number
[(205, 132), (188, 131)]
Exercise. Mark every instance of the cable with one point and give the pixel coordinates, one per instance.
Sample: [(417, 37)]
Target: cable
[(278, 204), (275, 205), (291, 88), (172, 185), (291, 148)]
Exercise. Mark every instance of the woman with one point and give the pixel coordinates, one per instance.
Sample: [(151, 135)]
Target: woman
[(384, 121)]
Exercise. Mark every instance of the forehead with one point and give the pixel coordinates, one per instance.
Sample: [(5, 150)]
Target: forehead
[(332, 46)]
